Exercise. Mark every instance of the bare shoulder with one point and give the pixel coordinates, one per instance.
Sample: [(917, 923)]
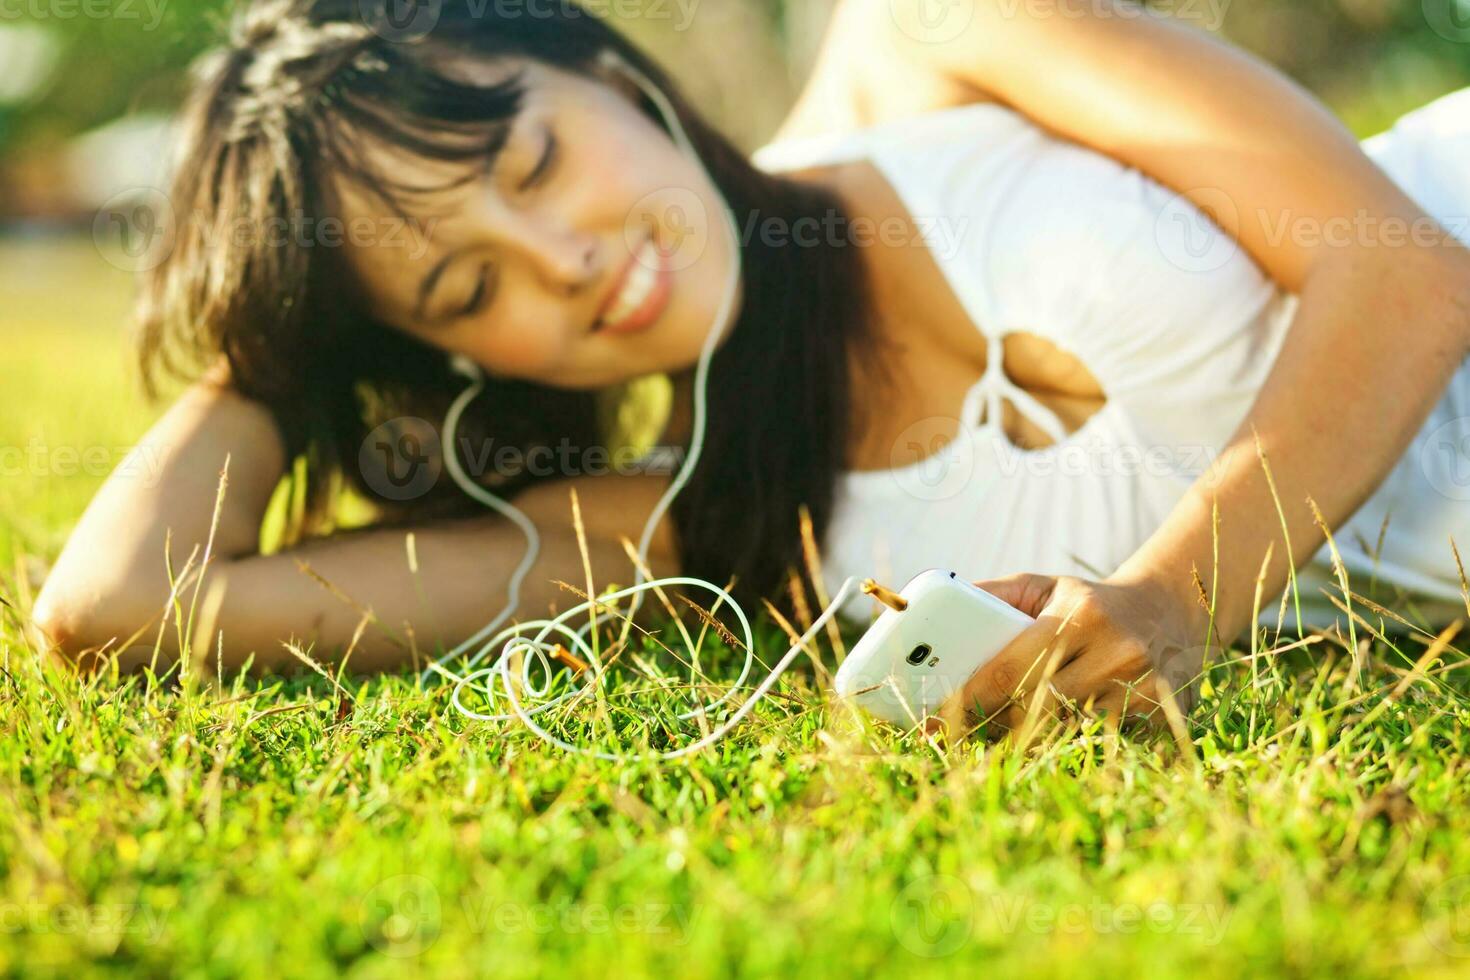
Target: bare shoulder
[(864, 77)]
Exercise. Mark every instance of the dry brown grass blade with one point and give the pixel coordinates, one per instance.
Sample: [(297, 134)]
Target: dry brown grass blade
[(1206, 604), (658, 590), (362, 625), (1175, 718), (824, 676), (1034, 711), (713, 623), (579, 529), (199, 644), (316, 668), (1416, 673), (799, 606), (1342, 580), (357, 607), (813, 558), (1460, 567), (1291, 589), (1433, 652), (187, 656)]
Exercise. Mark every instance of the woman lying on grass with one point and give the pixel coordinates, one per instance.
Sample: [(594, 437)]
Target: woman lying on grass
[(966, 269)]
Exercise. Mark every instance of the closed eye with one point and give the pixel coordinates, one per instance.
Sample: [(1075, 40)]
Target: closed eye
[(544, 164), (478, 298)]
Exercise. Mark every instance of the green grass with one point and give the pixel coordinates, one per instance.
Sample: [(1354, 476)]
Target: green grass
[(283, 826)]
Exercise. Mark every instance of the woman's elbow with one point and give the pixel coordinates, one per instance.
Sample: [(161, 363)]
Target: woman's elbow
[(78, 624)]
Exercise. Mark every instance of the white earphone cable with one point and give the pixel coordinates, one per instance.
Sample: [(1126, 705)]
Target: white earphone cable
[(536, 652)]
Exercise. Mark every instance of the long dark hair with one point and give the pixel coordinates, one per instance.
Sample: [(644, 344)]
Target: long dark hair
[(261, 132)]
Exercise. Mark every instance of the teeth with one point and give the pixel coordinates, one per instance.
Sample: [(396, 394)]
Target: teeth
[(640, 283)]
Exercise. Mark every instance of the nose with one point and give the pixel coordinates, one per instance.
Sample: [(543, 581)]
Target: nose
[(566, 260)]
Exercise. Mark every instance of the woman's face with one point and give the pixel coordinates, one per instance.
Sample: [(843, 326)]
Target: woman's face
[(592, 252)]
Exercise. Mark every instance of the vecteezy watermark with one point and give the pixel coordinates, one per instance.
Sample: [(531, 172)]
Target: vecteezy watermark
[(1200, 230), (1096, 455), (943, 21), (1447, 916), (932, 21), (678, 220), (579, 918), (137, 229), (1204, 921), (40, 459), (1209, 14), (1444, 459), (1189, 230), (113, 919), (673, 219), (410, 20), (151, 12), (402, 21), (403, 916), (1450, 19), (403, 459), (942, 234), (938, 457), (936, 915), (933, 916)]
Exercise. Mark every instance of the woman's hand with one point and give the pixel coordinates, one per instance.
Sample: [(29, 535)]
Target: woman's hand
[(1122, 650)]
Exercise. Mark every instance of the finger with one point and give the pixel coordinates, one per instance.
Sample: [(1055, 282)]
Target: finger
[(1013, 674), (1027, 592), (1130, 706), (1101, 673)]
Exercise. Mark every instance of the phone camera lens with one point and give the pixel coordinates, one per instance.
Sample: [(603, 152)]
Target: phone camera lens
[(920, 654)]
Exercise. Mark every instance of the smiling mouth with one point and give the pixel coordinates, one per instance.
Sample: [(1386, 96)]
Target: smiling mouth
[(642, 297)]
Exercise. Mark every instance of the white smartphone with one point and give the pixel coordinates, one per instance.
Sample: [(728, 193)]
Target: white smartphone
[(909, 663)]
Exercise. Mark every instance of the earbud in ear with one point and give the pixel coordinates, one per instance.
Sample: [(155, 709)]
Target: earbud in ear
[(466, 368), (615, 64)]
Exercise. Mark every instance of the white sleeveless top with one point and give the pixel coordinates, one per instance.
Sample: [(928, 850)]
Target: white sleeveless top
[(1172, 317)]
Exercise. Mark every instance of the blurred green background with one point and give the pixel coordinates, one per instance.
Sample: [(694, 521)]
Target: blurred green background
[(73, 66)]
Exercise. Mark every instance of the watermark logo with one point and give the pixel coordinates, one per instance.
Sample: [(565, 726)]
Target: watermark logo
[(402, 916), (1450, 19), (44, 10), (1189, 230), (1209, 14), (401, 459), (932, 459), (400, 21), (1447, 916), (108, 922), (40, 459), (933, 916), (676, 221), (1444, 459), (135, 229), (932, 21)]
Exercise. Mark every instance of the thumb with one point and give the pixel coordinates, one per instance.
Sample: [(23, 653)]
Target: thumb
[(1027, 592)]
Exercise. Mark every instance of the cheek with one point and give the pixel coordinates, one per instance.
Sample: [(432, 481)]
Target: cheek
[(518, 349)]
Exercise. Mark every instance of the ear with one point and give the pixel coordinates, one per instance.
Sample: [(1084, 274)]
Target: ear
[(609, 67)]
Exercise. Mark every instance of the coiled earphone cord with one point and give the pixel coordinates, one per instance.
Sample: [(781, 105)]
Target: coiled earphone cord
[(536, 651)]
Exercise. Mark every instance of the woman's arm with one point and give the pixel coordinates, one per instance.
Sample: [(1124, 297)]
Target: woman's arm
[(1276, 170), (111, 579)]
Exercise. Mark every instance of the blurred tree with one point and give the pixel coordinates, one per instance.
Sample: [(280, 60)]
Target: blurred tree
[(744, 59)]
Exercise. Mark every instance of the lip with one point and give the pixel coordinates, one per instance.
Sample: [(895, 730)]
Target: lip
[(653, 305)]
